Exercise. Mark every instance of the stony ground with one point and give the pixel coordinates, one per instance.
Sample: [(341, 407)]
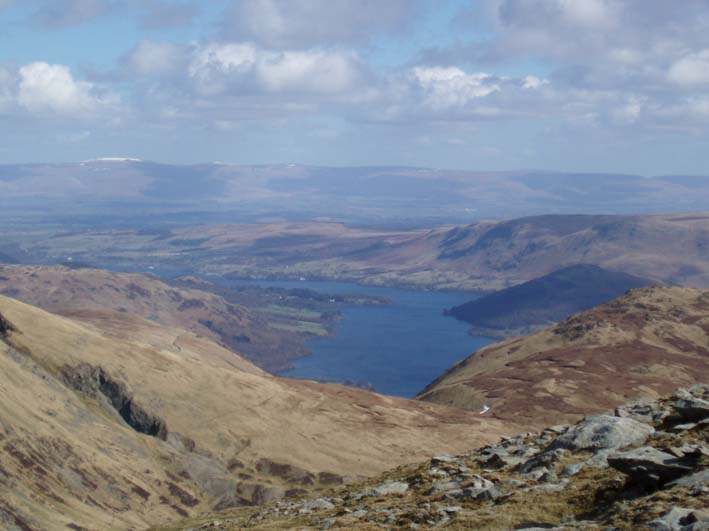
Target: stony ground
[(643, 466)]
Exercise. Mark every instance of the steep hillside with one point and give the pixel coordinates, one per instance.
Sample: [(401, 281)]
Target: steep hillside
[(642, 467), (543, 301), (672, 249), (644, 343), (77, 292), (116, 423)]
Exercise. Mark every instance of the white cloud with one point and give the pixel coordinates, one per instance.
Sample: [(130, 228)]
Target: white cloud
[(313, 71), (446, 87), (44, 87), (693, 69), (217, 66), (226, 58), (533, 82)]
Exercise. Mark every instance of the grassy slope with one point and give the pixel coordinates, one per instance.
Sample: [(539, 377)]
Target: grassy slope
[(646, 342), (69, 460)]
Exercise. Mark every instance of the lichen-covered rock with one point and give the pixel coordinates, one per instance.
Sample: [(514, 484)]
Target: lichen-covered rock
[(650, 466), (600, 432)]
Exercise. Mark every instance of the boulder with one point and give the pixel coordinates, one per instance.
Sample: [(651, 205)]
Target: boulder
[(319, 504), (698, 479), (680, 519), (650, 466), (443, 460), (600, 432), (640, 410), (443, 486), (692, 409), (387, 489), (545, 460)]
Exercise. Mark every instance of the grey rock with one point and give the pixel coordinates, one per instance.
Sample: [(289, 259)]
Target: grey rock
[(437, 488), (548, 487), (499, 457), (684, 427), (438, 472), (650, 466), (480, 482), (392, 487), (692, 409), (450, 509), (327, 523), (640, 410), (599, 459), (545, 528), (536, 474), (600, 432), (443, 459), (475, 493), (571, 469), (319, 504), (544, 460), (676, 519), (699, 390), (698, 479)]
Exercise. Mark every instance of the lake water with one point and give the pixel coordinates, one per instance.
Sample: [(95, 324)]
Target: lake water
[(398, 348)]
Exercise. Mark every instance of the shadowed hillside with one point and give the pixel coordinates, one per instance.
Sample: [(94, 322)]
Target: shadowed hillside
[(543, 301)]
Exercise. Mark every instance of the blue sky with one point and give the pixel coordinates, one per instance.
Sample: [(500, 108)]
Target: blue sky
[(581, 85)]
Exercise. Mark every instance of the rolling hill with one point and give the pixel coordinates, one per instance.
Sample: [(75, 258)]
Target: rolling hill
[(488, 255), (543, 301), (643, 343), (78, 292), (128, 192)]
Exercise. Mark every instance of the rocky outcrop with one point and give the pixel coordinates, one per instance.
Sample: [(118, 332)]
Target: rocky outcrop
[(603, 432), (651, 467), (641, 468), (95, 383), (5, 326)]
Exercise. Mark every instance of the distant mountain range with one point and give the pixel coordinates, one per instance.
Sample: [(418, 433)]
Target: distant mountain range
[(544, 301), (132, 191)]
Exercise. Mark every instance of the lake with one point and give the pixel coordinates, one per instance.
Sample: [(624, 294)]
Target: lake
[(398, 348)]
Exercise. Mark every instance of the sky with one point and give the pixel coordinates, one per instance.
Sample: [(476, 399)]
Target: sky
[(575, 85)]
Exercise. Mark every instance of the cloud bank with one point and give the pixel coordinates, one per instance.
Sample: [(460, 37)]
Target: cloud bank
[(489, 82)]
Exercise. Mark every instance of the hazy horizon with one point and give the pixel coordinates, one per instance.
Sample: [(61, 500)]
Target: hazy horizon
[(563, 85)]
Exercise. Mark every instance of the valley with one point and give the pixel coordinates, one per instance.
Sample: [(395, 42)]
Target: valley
[(155, 380), (227, 433), (483, 256), (354, 265)]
